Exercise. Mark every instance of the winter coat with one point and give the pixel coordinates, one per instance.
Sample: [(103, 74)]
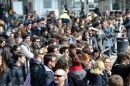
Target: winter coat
[(45, 77), (121, 69), (5, 79), (97, 79), (34, 67), (77, 77), (17, 76)]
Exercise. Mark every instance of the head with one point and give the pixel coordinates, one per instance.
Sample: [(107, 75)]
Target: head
[(59, 77), (64, 50), (122, 58), (52, 49), (15, 49), (85, 59), (2, 42), (17, 38), (72, 49), (99, 65), (20, 58), (36, 41), (96, 53), (75, 60), (26, 38), (2, 66), (62, 63), (50, 60), (115, 80), (39, 54)]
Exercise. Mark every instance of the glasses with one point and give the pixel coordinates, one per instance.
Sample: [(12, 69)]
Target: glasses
[(41, 53), (37, 41), (58, 76)]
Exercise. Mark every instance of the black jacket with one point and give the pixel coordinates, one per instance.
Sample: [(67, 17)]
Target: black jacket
[(34, 67), (121, 69), (5, 79), (77, 78), (45, 77), (17, 76), (97, 79)]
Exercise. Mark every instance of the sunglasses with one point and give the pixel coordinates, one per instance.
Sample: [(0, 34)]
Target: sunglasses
[(58, 76), (41, 53)]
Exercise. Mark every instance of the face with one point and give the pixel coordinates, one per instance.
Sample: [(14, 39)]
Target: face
[(41, 54), (87, 63), (0, 60), (29, 26), (96, 54), (107, 63), (59, 77), (27, 40), (74, 50), (53, 62), (37, 42), (22, 59), (2, 44)]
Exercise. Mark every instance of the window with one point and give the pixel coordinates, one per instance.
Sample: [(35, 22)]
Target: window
[(47, 3)]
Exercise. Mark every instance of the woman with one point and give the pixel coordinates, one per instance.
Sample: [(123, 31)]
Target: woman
[(5, 78), (107, 63), (77, 75), (35, 64), (98, 75)]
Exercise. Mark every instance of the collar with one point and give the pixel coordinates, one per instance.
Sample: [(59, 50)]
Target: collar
[(47, 68), (77, 67)]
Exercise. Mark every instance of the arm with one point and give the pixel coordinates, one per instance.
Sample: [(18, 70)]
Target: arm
[(25, 51)]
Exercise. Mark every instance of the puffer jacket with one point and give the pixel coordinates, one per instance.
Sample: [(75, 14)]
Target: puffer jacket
[(17, 76), (5, 79)]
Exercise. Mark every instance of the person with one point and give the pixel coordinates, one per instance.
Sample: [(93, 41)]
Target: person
[(126, 24), (107, 63), (127, 82), (97, 76), (122, 64), (25, 49), (45, 75), (60, 77), (115, 80), (5, 78), (77, 75), (16, 70), (35, 64)]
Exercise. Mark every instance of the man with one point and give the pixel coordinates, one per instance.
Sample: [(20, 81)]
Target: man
[(45, 75), (16, 70), (35, 44), (26, 51), (126, 24), (60, 77)]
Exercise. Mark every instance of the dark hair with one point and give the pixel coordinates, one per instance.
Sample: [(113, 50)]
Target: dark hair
[(14, 48), (48, 57), (35, 38), (75, 60), (61, 64), (62, 49), (2, 39), (115, 80), (122, 56), (2, 66), (18, 55), (51, 48)]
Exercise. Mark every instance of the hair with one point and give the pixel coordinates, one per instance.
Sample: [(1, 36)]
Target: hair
[(51, 48), (99, 65), (122, 56), (35, 38), (48, 57), (14, 48), (115, 80), (75, 60), (62, 49), (86, 49), (85, 57), (2, 66), (61, 64), (2, 39), (18, 55)]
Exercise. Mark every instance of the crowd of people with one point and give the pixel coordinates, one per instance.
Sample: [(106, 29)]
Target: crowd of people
[(67, 51)]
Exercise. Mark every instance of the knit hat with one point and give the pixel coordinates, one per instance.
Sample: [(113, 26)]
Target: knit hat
[(24, 36)]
